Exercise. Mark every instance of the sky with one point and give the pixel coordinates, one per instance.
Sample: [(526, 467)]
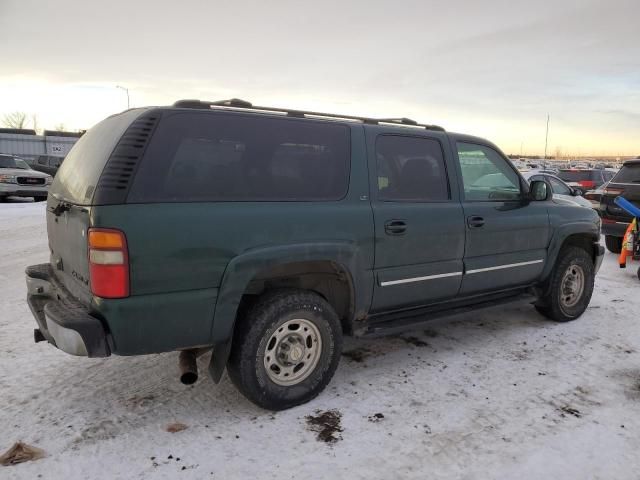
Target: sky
[(492, 68)]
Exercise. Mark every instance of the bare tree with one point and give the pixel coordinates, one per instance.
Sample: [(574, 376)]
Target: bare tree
[(558, 153), (34, 121), (59, 127), (15, 120)]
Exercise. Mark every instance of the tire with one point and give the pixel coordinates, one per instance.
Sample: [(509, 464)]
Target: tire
[(274, 325), (557, 304), (3, 199), (614, 244), (40, 199)]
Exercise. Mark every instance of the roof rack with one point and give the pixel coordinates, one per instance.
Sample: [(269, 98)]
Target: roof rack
[(237, 104)]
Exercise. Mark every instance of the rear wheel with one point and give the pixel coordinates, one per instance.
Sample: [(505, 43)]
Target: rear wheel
[(286, 349), (570, 286), (614, 244)]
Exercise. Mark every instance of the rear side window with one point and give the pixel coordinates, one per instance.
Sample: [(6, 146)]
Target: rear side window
[(410, 169), (232, 157), (628, 174)]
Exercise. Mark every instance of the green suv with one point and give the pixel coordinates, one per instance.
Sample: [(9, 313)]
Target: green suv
[(265, 235)]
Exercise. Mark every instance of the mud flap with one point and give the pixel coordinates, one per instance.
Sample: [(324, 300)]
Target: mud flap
[(218, 362)]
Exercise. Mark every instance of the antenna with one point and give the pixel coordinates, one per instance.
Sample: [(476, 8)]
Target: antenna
[(546, 138)]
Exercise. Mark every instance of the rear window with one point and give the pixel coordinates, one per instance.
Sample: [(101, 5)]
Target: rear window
[(579, 175), (233, 157), (78, 175), (628, 174)]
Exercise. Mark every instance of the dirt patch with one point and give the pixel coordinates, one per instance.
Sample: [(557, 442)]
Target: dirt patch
[(139, 401), (19, 453), (570, 411), (358, 354), (415, 341), (631, 379), (326, 425), (519, 355), (176, 427), (375, 418)]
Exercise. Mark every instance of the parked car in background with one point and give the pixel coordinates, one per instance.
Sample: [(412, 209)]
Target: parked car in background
[(562, 192), (615, 220), (585, 179), (46, 163), (548, 170), (17, 179), (594, 196)]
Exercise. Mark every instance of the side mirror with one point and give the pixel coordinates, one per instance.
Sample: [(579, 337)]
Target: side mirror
[(539, 191), (576, 193)]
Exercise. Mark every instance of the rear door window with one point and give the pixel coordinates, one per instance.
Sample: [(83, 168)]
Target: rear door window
[(411, 169), (234, 157)]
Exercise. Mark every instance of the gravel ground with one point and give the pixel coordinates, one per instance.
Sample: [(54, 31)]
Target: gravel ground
[(501, 393)]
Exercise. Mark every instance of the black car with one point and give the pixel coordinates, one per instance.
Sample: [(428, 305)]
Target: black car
[(614, 219), (585, 179)]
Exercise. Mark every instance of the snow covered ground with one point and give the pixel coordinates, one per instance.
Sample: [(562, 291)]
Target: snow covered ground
[(498, 394)]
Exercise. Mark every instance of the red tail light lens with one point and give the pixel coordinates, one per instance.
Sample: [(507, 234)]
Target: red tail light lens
[(587, 183), (108, 263)]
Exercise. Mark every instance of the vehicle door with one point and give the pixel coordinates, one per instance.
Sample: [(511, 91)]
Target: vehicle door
[(419, 223), (507, 235)]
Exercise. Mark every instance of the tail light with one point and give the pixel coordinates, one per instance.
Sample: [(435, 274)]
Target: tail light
[(587, 183), (108, 263), (613, 191)]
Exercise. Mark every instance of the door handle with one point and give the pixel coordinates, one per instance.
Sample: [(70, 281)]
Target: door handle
[(475, 221), (395, 227)]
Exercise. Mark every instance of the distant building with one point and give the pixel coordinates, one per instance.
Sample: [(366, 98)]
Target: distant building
[(26, 144)]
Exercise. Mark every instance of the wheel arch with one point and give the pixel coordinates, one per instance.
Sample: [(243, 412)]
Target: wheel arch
[(583, 235), (333, 270)]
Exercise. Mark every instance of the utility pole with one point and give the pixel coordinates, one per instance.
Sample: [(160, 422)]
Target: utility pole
[(127, 91), (546, 138)]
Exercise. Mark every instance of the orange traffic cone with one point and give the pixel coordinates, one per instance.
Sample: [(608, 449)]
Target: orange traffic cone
[(627, 244)]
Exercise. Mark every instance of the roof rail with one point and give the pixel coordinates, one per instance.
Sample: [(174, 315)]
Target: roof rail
[(236, 103)]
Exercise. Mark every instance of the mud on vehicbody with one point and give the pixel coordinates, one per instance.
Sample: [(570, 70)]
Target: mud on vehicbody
[(266, 235)]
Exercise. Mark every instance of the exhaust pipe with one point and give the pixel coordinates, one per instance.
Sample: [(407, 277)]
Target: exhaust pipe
[(188, 366)]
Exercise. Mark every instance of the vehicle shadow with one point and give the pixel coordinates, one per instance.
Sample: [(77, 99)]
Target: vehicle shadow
[(129, 385)]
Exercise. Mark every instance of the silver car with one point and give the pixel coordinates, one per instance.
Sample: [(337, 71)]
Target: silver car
[(562, 192), (17, 179)]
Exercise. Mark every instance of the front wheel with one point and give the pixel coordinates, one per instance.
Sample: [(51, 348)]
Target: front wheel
[(570, 287), (286, 349)]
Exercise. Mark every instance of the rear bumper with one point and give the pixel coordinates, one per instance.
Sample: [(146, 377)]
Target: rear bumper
[(62, 320)]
